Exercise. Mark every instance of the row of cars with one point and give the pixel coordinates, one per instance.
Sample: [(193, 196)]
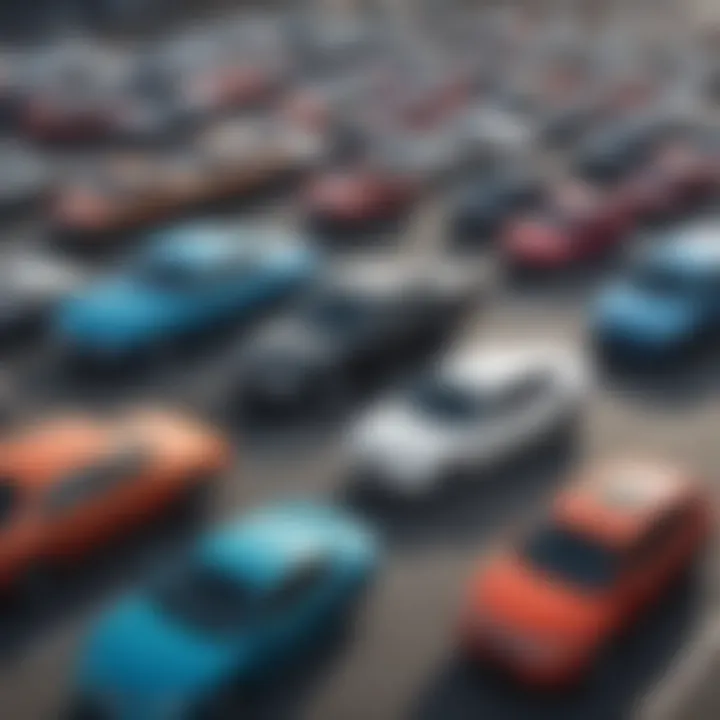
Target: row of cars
[(269, 585)]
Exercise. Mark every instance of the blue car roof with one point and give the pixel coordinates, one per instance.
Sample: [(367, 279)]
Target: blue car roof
[(261, 548)]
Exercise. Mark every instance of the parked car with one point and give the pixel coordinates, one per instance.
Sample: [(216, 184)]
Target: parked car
[(186, 281), (71, 483), (356, 327), (26, 179), (578, 223), (32, 284), (247, 598), (612, 153), (615, 542), (481, 406), (134, 191), (483, 206), (666, 304)]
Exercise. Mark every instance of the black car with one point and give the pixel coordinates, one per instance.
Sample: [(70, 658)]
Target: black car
[(342, 341), (612, 153), (481, 207)]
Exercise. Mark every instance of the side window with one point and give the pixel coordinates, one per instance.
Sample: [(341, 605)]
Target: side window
[(8, 500), (659, 535), (94, 481), (298, 585), (526, 391)]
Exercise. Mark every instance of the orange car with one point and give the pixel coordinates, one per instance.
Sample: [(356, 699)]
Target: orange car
[(615, 541), (69, 484)]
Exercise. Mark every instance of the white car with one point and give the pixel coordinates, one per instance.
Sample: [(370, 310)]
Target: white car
[(478, 408)]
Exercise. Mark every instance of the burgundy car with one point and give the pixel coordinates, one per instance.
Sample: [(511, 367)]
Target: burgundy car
[(578, 224)]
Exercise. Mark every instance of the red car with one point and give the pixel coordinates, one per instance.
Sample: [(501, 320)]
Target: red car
[(680, 177), (358, 198), (577, 224)]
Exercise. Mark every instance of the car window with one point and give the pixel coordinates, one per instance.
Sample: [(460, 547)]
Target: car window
[(340, 313), (84, 485), (8, 500), (572, 558), (298, 585), (440, 399), (524, 392), (178, 273), (205, 598)]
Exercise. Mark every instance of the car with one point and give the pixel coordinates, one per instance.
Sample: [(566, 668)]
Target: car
[(614, 543), (70, 93), (356, 198), (71, 483), (479, 407), (665, 305), (248, 597), (27, 178), (482, 207), (363, 323), (578, 224), (185, 282), (32, 284), (132, 191), (681, 177), (614, 152)]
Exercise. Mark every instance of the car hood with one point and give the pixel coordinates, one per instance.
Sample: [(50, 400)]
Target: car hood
[(625, 309), (136, 658)]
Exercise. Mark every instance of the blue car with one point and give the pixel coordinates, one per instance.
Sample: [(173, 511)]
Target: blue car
[(667, 303), (186, 280), (246, 598)]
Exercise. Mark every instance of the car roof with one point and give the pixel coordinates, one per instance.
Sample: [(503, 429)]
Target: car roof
[(694, 248), (615, 501), (262, 548), (494, 367)]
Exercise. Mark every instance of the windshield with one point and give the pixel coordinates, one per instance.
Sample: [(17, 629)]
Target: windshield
[(205, 599), (339, 313), (657, 280), (167, 273), (440, 399), (565, 555)]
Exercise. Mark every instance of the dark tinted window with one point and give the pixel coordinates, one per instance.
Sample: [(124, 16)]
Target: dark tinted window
[(662, 280), (573, 558), (524, 392), (96, 480), (207, 599), (445, 402), (300, 583), (340, 313)]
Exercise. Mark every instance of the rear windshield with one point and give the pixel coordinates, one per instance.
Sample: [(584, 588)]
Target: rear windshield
[(568, 556), (205, 599)]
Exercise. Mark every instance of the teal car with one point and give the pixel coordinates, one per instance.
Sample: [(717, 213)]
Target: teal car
[(185, 281), (246, 599)]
